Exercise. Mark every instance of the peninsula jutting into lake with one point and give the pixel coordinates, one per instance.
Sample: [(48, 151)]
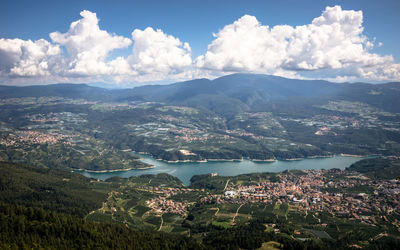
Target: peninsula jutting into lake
[(184, 171)]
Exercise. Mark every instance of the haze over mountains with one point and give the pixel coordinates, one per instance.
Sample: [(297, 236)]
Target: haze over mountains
[(232, 93)]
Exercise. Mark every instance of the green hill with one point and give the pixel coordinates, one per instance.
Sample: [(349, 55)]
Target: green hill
[(50, 189), (378, 168)]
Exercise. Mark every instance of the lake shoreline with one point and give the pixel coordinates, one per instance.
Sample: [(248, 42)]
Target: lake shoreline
[(247, 158), (253, 160), (184, 171), (214, 160), (112, 170)]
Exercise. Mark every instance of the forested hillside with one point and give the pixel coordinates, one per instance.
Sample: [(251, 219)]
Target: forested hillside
[(50, 189), (378, 168), (34, 228)]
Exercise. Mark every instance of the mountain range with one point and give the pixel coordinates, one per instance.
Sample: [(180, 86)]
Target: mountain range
[(231, 93)]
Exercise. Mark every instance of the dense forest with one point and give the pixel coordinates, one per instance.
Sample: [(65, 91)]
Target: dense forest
[(378, 168), (26, 228), (50, 189)]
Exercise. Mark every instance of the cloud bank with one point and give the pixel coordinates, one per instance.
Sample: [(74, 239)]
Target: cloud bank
[(333, 43), (88, 46), (332, 46), (27, 58)]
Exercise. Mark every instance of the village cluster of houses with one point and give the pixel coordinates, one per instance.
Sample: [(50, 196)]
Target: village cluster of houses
[(238, 132), (161, 204), (190, 135), (333, 191), (33, 137), (323, 190), (326, 123)]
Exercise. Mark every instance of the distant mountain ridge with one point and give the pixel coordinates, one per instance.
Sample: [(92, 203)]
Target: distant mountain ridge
[(231, 93), (66, 90), (240, 91)]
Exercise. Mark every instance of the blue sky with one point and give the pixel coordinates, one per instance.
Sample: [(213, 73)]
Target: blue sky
[(194, 23)]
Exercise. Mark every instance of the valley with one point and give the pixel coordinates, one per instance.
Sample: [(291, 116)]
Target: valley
[(238, 135), (96, 135)]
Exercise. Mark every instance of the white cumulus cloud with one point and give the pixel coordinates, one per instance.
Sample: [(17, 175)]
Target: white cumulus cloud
[(155, 56), (334, 41), (332, 46), (28, 58), (156, 52), (245, 45), (88, 46)]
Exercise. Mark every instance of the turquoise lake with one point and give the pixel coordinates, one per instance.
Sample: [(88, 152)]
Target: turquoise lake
[(185, 170)]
